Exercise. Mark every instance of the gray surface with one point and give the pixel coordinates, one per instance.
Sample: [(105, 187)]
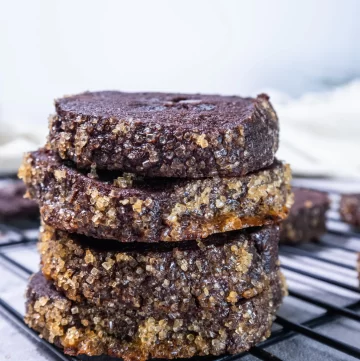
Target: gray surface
[(14, 345)]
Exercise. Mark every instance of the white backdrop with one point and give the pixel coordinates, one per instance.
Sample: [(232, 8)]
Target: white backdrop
[(52, 48)]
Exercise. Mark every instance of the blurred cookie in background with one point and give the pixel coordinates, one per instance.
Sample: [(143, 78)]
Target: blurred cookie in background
[(350, 209), (13, 205), (306, 221)]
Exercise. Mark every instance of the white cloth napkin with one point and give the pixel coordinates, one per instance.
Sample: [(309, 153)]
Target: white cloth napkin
[(320, 132)]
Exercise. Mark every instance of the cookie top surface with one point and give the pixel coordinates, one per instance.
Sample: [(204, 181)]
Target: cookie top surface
[(351, 196), (165, 108)]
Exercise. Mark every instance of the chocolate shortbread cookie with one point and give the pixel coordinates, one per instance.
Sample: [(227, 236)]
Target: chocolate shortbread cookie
[(13, 205), (225, 267), (83, 328), (306, 220), (152, 210), (350, 209), (166, 135)]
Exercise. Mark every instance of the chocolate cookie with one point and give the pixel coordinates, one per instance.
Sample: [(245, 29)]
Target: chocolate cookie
[(166, 135), (13, 205), (225, 267), (350, 209), (306, 220), (152, 210), (82, 328)]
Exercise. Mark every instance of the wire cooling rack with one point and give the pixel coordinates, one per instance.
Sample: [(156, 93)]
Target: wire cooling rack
[(320, 320)]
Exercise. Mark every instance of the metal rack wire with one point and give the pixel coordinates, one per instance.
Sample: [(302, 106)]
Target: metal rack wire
[(287, 328)]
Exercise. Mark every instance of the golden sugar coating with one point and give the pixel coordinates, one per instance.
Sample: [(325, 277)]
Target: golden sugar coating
[(151, 210), (222, 269), (82, 328)]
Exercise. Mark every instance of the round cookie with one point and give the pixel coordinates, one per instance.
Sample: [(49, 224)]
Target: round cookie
[(106, 206), (13, 206), (177, 276), (166, 135), (307, 217), (350, 209), (82, 328)]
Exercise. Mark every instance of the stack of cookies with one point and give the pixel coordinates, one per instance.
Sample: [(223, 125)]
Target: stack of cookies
[(160, 227)]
